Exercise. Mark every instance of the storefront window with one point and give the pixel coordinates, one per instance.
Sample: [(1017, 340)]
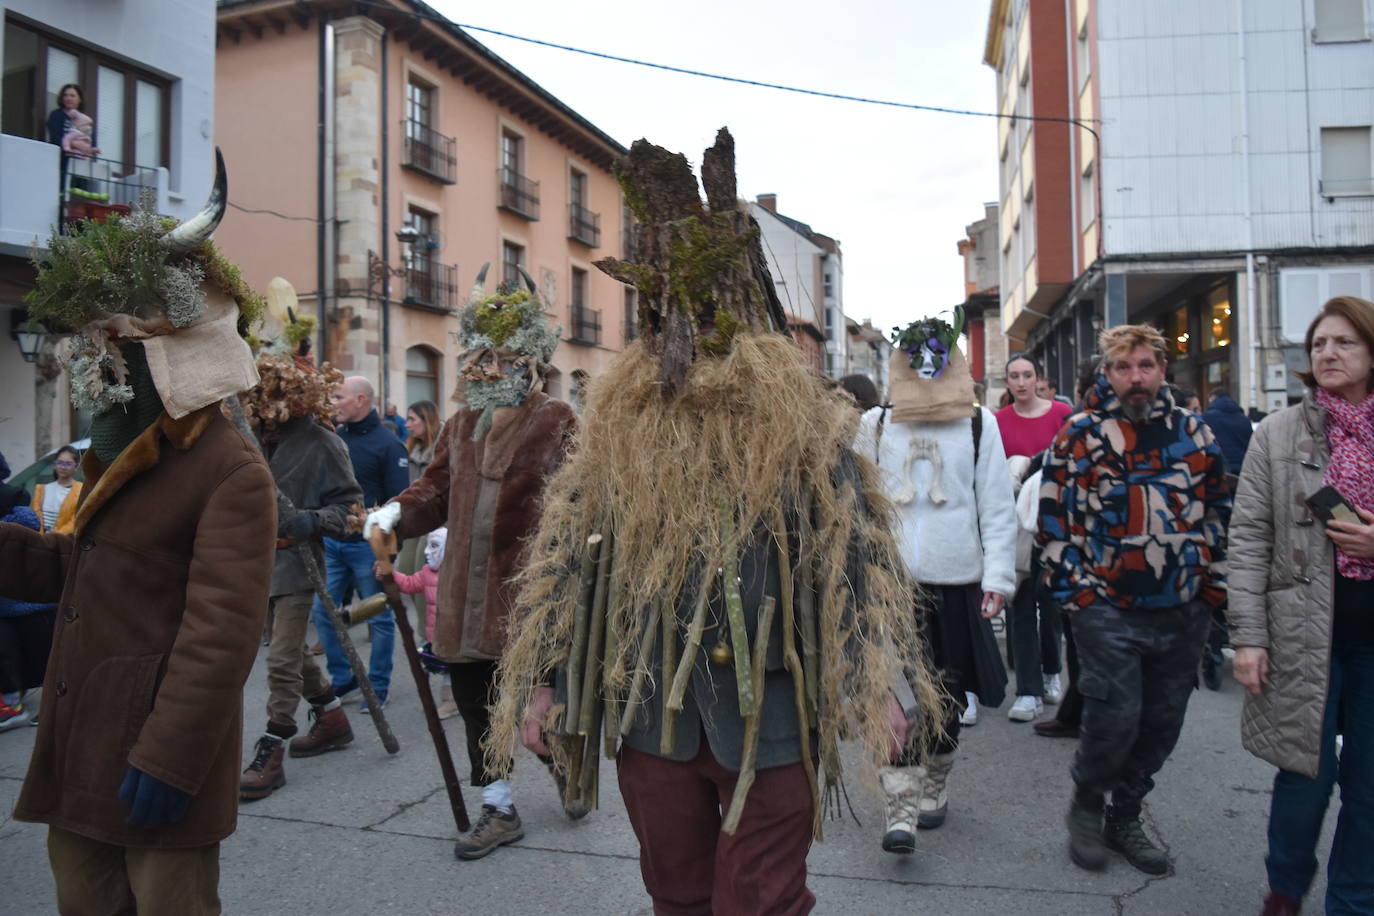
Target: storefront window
[(1176, 333), (1216, 319)]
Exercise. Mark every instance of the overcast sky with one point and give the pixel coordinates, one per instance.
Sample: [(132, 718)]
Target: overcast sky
[(896, 187)]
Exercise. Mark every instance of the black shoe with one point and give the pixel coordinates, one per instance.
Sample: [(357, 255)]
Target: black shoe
[(900, 842), (1085, 837), (1127, 837), (1211, 676), (1053, 728)]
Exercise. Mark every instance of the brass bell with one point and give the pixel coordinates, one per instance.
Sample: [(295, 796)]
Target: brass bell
[(722, 654)]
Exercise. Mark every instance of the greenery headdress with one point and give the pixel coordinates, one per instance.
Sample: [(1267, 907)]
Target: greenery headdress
[(933, 334)]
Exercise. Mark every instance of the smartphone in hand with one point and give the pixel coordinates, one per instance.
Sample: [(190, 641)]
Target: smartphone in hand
[(1329, 506)]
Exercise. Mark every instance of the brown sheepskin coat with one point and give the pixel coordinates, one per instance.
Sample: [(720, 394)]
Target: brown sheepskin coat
[(161, 593), (488, 494)]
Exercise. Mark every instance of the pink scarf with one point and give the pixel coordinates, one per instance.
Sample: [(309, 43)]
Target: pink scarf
[(1350, 434)]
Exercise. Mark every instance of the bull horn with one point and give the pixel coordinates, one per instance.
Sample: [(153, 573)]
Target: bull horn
[(529, 281), (186, 237), (481, 280)]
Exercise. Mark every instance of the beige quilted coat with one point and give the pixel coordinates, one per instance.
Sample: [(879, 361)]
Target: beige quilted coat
[(1282, 571)]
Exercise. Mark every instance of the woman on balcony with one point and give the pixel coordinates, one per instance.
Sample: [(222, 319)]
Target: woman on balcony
[(71, 128)]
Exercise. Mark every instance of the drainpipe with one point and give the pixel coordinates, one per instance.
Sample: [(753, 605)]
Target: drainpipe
[(1251, 294), (321, 226), (386, 232), (1071, 49), (330, 226)]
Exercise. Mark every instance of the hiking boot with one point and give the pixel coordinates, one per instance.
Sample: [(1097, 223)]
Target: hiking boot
[(329, 731), (934, 799), (265, 774), (902, 790), (494, 828), (575, 810), (1276, 904), (1127, 836), (1085, 837)]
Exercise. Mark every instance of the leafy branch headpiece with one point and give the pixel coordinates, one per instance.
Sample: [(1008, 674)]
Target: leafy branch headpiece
[(934, 334)]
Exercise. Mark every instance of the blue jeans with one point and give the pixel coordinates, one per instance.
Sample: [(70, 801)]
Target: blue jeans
[(1299, 804), (349, 564)]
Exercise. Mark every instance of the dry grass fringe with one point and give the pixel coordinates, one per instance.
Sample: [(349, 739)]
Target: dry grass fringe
[(751, 431)]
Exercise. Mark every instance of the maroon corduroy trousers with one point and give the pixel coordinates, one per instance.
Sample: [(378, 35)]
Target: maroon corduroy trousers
[(689, 866)]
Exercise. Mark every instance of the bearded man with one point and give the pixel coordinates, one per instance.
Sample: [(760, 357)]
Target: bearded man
[(1133, 513), (162, 587), (485, 482), (713, 597)]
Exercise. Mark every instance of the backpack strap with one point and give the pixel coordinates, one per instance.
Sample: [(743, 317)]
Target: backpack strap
[(977, 434)]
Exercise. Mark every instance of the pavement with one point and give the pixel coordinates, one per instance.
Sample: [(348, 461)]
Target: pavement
[(359, 831)]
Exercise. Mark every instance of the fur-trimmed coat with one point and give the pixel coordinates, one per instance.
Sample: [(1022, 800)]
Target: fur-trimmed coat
[(162, 592), (488, 493)]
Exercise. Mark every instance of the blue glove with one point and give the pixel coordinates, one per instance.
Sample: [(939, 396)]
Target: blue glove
[(152, 802)]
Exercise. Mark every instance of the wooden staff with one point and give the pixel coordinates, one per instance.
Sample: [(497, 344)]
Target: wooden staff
[(384, 548)]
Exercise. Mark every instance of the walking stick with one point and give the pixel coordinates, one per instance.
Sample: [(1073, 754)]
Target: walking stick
[(384, 548), (312, 569)]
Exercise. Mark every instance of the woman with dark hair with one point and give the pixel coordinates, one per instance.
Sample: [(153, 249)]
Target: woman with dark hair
[(1028, 425), (69, 127), (1301, 585), (55, 503)]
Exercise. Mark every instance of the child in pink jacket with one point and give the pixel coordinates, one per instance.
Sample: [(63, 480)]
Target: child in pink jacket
[(426, 580)]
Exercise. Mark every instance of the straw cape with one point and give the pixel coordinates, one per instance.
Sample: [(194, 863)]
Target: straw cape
[(705, 441)]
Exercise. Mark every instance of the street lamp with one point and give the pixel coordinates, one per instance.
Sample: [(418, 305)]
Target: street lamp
[(379, 270), (28, 334)]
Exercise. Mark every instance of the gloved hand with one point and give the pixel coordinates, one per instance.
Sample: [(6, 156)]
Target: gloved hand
[(152, 802), (299, 527), (384, 519)]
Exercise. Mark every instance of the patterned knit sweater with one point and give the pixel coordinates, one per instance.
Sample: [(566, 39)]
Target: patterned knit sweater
[(1134, 514)]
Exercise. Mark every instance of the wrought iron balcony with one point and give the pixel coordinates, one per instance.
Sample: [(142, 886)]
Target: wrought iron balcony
[(429, 152), (431, 285), (519, 194), (584, 226), (586, 326)]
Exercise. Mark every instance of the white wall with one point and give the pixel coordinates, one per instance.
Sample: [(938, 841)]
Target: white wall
[(792, 262), (1172, 173), (175, 38), (16, 400)]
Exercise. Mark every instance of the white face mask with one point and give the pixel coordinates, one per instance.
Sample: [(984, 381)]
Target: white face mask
[(928, 361), (434, 548)]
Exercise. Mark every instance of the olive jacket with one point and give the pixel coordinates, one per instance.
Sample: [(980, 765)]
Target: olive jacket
[(1281, 577), (162, 592)]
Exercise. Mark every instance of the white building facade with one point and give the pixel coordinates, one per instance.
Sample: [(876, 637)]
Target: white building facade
[(146, 71)]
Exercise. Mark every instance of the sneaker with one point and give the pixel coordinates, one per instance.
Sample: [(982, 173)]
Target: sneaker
[(12, 716), (1025, 709), (1085, 837), (367, 710), (329, 731), (970, 714), (265, 774), (348, 692), (494, 828), (1127, 836), (902, 794), (1054, 689)]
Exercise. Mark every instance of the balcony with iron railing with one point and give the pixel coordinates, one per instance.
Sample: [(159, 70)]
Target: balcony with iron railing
[(586, 326), (433, 286), (429, 152), (584, 226), (519, 195)]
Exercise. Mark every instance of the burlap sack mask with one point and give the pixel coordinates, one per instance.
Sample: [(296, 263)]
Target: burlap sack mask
[(929, 400), (203, 363)]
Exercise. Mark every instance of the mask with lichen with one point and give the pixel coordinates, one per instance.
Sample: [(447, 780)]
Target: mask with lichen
[(507, 348), (926, 343)]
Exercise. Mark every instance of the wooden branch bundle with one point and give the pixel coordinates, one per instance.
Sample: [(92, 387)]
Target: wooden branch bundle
[(581, 624), (751, 722), (793, 665)]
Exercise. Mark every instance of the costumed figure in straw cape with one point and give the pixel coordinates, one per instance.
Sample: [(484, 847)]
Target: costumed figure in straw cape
[(945, 471), (490, 466), (162, 586), (713, 597), (291, 411)]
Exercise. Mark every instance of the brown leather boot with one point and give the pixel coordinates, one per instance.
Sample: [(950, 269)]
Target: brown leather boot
[(265, 774), (329, 731)]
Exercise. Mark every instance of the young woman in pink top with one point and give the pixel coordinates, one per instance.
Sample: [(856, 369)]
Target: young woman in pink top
[(1028, 425)]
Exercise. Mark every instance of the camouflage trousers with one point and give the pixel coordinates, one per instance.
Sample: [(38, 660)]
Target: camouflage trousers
[(1137, 671)]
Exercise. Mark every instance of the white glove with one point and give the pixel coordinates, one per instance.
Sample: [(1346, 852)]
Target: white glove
[(384, 518)]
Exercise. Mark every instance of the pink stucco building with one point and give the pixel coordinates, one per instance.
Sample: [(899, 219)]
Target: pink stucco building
[(353, 122)]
